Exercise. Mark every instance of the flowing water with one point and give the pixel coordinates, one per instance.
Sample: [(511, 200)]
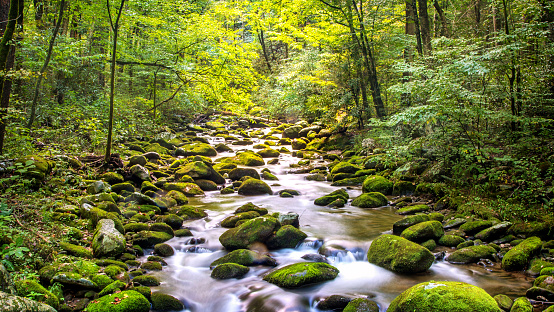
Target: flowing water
[(347, 232)]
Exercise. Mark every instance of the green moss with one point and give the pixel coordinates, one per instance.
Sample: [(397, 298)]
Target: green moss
[(156, 148), (206, 185), (254, 230), (189, 213), (471, 254), (188, 189), (269, 153), (399, 255), (302, 274), (135, 227), (286, 237), (269, 176), (254, 187), (474, 227), (146, 280), (163, 302), (249, 158), (143, 290), (429, 244), (408, 221), (229, 270), (147, 239), (75, 250), (361, 305), (111, 288), (413, 209), (522, 304), (345, 167), (151, 266), (108, 262), (125, 301), (102, 280), (504, 302), (518, 257), (183, 233), (403, 188), (162, 227), (444, 297), (547, 271), (112, 178), (377, 183), (245, 257), (201, 149), (164, 250), (113, 271), (230, 221), (370, 200), (41, 294), (450, 240), (537, 265), (327, 199)]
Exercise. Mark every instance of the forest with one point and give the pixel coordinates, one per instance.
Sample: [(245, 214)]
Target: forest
[(122, 121)]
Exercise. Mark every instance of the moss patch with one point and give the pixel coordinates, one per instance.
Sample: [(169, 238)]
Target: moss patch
[(302, 274), (399, 255), (125, 301)]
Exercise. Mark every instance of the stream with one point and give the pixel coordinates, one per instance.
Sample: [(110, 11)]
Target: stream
[(348, 232)]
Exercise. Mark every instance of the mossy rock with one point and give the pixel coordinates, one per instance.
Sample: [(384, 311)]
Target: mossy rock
[(112, 178), (156, 148), (189, 213), (370, 200), (251, 207), (377, 183), (76, 250), (403, 188), (361, 305), (107, 240), (408, 221), (229, 270), (450, 240), (214, 125), (221, 148), (173, 220), (164, 250), (349, 182), (206, 185), (532, 228), (162, 227), (423, 231), (201, 149), (41, 294), (151, 266), (249, 158), (245, 257), (471, 254), (200, 170), (244, 235), (504, 302), (269, 176), (254, 187), (163, 302), (125, 301), (227, 191), (112, 288), (146, 280), (429, 244), (13, 303), (102, 280), (269, 153), (536, 266), (329, 198), (522, 304), (302, 274), (286, 237), (188, 189), (37, 167), (399, 255), (474, 227), (413, 209), (345, 167), (494, 232), (444, 297), (298, 144), (239, 173), (231, 221), (518, 258), (147, 239)]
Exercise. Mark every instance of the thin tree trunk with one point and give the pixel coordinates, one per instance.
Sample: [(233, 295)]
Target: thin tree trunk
[(45, 65), (264, 49), (417, 28), (115, 30), (424, 23), (444, 25)]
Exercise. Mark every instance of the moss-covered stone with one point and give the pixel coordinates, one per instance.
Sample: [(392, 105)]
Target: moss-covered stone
[(251, 207), (41, 294), (151, 266), (254, 187), (298, 144), (254, 230), (471, 254), (377, 183), (13, 303), (37, 167), (201, 149), (494, 232), (408, 221), (403, 188), (120, 187), (413, 209), (399, 255), (112, 178), (238, 173), (188, 189), (269, 153), (183, 233), (231, 221), (522, 304), (474, 227), (327, 199), (189, 213), (146, 280), (444, 297), (302, 274), (163, 302), (200, 170), (206, 185), (245, 257), (147, 239), (361, 305), (102, 280), (107, 240), (125, 301), (112, 288), (266, 175), (450, 240), (518, 258), (229, 270), (173, 220), (537, 265), (161, 227), (164, 250), (370, 200), (286, 237), (429, 244), (76, 250), (504, 302), (249, 158)]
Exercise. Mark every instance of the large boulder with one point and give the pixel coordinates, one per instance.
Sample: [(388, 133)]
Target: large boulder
[(107, 240), (518, 258), (444, 297), (286, 237), (302, 274), (163, 302), (494, 232), (188, 189), (471, 254), (331, 197), (254, 187), (229, 270), (255, 230), (344, 167), (13, 303), (245, 257), (399, 255), (377, 183), (200, 170), (201, 149), (238, 173), (370, 200), (125, 301), (408, 221), (249, 158), (6, 281), (139, 173), (269, 153), (292, 132), (423, 231)]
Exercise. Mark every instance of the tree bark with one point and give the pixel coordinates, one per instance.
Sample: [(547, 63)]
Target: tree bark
[(444, 25), (115, 30), (424, 24), (547, 17), (45, 65), (417, 28), (264, 49)]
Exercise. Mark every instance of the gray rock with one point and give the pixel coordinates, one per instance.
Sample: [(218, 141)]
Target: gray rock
[(6, 281), (140, 173), (107, 241), (12, 303), (98, 187)]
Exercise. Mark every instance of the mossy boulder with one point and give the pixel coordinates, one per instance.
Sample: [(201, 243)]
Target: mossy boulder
[(302, 274), (254, 230), (147, 239), (522, 304), (504, 302), (298, 144), (408, 221), (37, 167), (151, 266), (161, 227), (229, 270), (329, 198), (164, 250), (112, 178), (206, 185), (156, 148), (292, 132), (399, 255), (249, 158), (245, 257), (254, 187), (286, 237), (377, 183), (187, 189), (201, 149), (41, 294), (266, 175), (163, 302), (251, 207), (112, 288), (403, 188), (471, 254), (474, 227), (107, 240), (370, 200), (13, 303), (518, 258), (361, 305), (146, 280), (494, 232), (120, 187), (269, 153), (424, 231), (239, 173), (76, 250), (125, 301), (200, 170), (231, 221), (345, 167), (444, 297), (451, 240), (413, 209), (136, 227), (189, 213)]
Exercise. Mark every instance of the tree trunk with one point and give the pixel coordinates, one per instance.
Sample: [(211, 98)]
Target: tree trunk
[(115, 30), (45, 65), (424, 23), (417, 28), (548, 18), (444, 25), (264, 49), (7, 56)]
